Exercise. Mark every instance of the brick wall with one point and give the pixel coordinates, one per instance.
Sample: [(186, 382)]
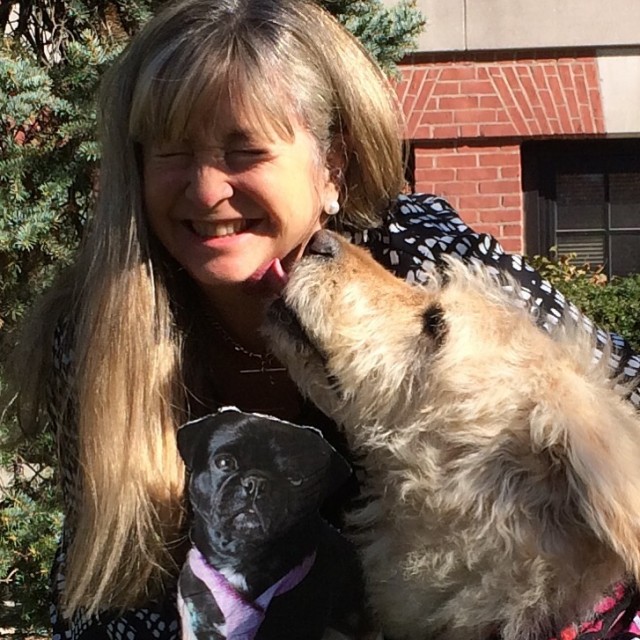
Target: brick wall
[(481, 182), (467, 117)]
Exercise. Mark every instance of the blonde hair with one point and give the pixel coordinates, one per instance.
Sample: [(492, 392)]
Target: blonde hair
[(276, 60)]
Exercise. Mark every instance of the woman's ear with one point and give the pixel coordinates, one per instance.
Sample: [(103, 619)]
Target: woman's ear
[(336, 164), (331, 194), (334, 187)]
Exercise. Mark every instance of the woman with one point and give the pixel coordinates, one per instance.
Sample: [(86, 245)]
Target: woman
[(231, 131)]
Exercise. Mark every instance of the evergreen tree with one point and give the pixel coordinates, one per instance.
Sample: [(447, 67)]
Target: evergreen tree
[(387, 32), (51, 59), (52, 54)]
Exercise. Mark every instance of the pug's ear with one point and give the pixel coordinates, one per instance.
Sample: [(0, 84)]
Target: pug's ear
[(191, 438), (311, 455)]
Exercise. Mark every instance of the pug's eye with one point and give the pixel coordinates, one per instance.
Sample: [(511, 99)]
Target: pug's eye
[(225, 462), (296, 481)]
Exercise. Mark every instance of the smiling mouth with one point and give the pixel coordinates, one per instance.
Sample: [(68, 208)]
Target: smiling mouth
[(222, 229)]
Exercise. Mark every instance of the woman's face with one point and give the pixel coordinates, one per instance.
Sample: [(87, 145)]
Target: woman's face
[(225, 204)]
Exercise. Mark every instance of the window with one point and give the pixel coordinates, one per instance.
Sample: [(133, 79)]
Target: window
[(584, 198)]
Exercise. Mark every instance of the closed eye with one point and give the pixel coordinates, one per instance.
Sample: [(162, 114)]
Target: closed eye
[(173, 154), (248, 152), (240, 158), (170, 149)]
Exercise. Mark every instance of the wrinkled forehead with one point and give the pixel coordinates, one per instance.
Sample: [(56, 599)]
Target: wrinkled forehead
[(176, 99)]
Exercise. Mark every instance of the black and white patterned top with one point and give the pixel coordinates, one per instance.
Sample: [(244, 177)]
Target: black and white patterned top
[(417, 232)]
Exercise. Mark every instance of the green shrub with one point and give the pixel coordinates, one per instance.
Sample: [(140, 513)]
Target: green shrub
[(30, 523), (612, 304)]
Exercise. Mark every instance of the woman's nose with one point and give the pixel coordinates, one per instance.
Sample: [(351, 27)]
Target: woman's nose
[(208, 186)]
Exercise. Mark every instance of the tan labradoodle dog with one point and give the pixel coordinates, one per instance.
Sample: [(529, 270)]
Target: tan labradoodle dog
[(503, 464)]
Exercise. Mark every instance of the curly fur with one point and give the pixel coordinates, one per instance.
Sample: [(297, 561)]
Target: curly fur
[(503, 463)]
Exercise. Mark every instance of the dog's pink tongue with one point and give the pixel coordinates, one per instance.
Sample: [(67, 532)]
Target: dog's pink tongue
[(271, 278)]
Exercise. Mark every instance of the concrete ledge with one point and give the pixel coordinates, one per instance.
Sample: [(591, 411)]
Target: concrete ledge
[(477, 25), (620, 91)]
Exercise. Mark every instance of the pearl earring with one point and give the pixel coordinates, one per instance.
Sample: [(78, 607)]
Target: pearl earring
[(331, 208)]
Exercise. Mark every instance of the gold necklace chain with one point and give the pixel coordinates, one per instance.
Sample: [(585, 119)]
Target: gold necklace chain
[(264, 359)]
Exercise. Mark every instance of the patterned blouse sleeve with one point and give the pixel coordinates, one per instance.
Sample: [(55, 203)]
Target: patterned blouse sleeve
[(62, 413), (422, 228)]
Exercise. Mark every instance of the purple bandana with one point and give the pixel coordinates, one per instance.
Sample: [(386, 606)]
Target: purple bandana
[(242, 617)]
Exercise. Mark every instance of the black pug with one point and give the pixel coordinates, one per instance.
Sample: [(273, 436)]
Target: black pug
[(264, 564)]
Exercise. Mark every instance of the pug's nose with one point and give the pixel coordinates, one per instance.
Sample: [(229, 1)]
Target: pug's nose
[(254, 485), (322, 243)]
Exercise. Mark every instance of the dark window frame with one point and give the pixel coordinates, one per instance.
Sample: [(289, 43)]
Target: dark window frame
[(543, 161)]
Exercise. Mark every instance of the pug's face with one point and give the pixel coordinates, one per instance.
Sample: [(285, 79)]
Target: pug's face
[(253, 477)]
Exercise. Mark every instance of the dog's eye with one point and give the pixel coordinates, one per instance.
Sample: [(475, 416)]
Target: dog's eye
[(296, 481), (225, 462)]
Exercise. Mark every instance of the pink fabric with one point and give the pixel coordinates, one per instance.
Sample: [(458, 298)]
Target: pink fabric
[(615, 616), (243, 617)]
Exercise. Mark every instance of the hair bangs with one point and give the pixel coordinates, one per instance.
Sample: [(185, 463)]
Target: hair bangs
[(168, 103)]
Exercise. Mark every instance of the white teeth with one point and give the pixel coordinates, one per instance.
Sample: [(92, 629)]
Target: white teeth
[(218, 229)]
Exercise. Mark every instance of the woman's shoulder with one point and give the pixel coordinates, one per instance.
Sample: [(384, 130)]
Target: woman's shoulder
[(425, 209), (415, 212), (417, 230)]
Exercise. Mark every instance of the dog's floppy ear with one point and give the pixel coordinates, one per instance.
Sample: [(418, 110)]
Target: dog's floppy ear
[(314, 456), (600, 433), (193, 436), (433, 322)]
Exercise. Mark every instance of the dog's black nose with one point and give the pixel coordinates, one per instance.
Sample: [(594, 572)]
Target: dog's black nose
[(254, 485), (322, 243)]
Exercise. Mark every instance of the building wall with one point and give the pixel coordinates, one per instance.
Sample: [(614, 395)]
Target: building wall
[(491, 74), (515, 95), (619, 73), (480, 25), (481, 181), (467, 114)]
